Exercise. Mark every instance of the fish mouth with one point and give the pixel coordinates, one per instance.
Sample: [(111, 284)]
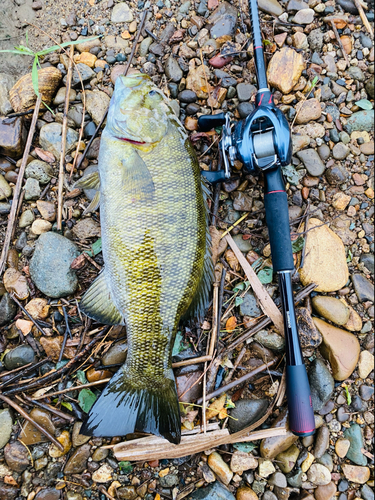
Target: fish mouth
[(125, 139)]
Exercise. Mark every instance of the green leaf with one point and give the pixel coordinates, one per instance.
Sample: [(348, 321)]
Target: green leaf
[(364, 104), (266, 275), (240, 286), (245, 447), (65, 44), (125, 467), (61, 364), (34, 76), (238, 301), (178, 344), (16, 51), (95, 248), (298, 244), (67, 405), (81, 376), (86, 399), (257, 264), (348, 396), (350, 256), (27, 38)]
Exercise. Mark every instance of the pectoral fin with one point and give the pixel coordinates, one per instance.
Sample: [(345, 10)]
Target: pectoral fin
[(137, 179), (94, 204), (98, 304), (90, 181)]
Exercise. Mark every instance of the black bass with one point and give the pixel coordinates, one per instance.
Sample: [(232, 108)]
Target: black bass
[(158, 266)]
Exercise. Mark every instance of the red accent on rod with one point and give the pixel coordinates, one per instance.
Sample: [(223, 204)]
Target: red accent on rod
[(261, 99), (260, 47), (279, 191), (308, 430), (270, 101)]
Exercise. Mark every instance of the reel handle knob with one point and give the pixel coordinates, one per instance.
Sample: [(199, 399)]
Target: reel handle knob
[(208, 122)]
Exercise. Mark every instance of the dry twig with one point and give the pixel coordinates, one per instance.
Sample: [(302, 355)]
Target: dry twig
[(364, 18)]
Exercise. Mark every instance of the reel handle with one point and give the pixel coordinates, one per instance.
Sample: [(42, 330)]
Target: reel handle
[(208, 122), (301, 413)]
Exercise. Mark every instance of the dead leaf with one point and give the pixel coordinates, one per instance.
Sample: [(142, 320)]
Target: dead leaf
[(231, 324), (16, 283), (78, 262), (232, 260), (218, 244), (45, 155), (38, 308), (24, 325), (215, 408), (347, 43)]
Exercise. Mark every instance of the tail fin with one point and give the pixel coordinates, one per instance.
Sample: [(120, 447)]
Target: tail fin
[(125, 407)]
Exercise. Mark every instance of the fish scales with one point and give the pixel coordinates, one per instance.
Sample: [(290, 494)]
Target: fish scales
[(154, 239)]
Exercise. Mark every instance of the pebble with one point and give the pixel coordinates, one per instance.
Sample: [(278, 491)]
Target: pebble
[(246, 493), (249, 306), (223, 20), (50, 265), (16, 456), (50, 138), (341, 201), (340, 151), (306, 464), (336, 174), (271, 340), (363, 288), (326, 492), (241, 462), (8, 309), (271, 447), (312, 161), (220, 468), (309, 334), (12, 136), (78, 460), (355, 437), (366, 392), (332, 309), (5, 189), (266, 468), (47, 210), (365, 364), (77, 438), (48, 494), (356, 474), (367, 493), (26, 219), (116, 354), (32, 189), (6, 423), (325, 259), (322, 442), (29, 434), (121, 13), (214, 491), (6, 83), (340, 348), (310, 109), (40, 226), (61, 94), (245, 91), (285, 69), (173, 70), (319, 475), (304, 16), (96, 104), (287, 459), (86, 228), (321, 383), (361, 120), (341, 447), (19, 356), (64, 439)]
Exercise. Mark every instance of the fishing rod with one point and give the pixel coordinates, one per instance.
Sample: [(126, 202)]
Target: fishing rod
[(263, 143)]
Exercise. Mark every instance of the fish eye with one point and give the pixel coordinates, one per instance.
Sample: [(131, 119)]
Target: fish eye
[(152, 93)]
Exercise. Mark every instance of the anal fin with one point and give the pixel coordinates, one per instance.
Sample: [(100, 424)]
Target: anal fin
[(94, 204), (90, 181), (97, 303)]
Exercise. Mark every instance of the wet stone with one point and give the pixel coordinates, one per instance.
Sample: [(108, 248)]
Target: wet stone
[(249, 306), (224, 20), (214, 491), (246, 412), (363, 288), (16, 456), (321, 383), (322, 442), (78, 460), (355, 455), (8, 492), (6, 423), (8, 310), (19, 356), (332, 309), (29, 434), (48, 494)]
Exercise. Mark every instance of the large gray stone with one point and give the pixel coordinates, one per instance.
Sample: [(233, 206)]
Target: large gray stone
[(321, 383), (362, 120), (215, 491), (50, 265), (355, 455), (6, 423), (363, 288), (312, 162), (50, 138), (246, 412)]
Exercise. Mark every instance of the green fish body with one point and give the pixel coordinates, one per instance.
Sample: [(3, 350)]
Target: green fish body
[(156, 254)]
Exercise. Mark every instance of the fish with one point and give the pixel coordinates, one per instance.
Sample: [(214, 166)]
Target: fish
[(156, 249)]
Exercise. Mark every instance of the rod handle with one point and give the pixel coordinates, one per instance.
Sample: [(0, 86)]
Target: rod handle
[(301, 413)]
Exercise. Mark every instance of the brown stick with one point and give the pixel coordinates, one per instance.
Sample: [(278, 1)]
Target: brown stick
[(266, 321), (27, 314), (17, 189), (239, 381), (50, 408), (364, 18), (238, 361), (267, 304), (192, 361), (70, 389), (25, 415), (63, 140), (340, 43)]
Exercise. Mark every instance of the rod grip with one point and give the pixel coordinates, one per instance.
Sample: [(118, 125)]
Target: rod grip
[(301, 413), (277, 214)]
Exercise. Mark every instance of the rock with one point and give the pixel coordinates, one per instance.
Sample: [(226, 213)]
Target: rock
[(304, 16), (52, 347), (16, 456), (309, 334), (340, 151), (288, 458), (50, 265), (15, 282), (115, 354), (366, 364), (88, 59), (306, 464), (85, 72), (340, 348), (220, 468), (121, 13), (99, 454), (77, 438), (285, 69), (12, 136), (266, 468), (6, 83), (370, 86), (315, 39), (242, 201), (312, 162), (173, 70), (368, 260), (224, 20), (47, 210), (300, 42), (48, 494), (87, 43), (271, 7), (278, 479), (6, 423), (196, 81), (336, 174), (5, 189), (97, 104), (363, 288), (367, 493), (300, 142), (341, 201), (271, 340), (61, 94), (341, 447), (245, 108), (321, 383), (78, 460), (332, 309), (249, 306), (322, 442), (40, 226), (326, 492), (355, 437), (245, 91), (103, 474), (8, 310), (214, 491), (64, 439), (361, 120), (308, 110), (22, 95), (128, 492), (271, 447), (8, 492), (29, 434), (325, 259), (50, 138), (356, 474), (26, 219), (4, 208), (319, 475), (246, 493), (86, 228), (19, 356), (32, 189)]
